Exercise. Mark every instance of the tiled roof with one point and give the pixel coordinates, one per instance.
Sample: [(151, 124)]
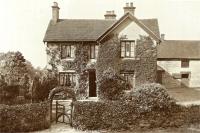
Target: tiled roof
[(179, 49), (86, 29), (152, 24)]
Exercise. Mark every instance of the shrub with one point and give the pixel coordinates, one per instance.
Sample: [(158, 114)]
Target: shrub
[(23, 118), (43, 84), (111, 86), (119, 115), (149, 96), (102, 115)]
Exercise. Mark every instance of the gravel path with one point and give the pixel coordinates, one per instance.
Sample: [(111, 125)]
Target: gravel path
[(63, 128)]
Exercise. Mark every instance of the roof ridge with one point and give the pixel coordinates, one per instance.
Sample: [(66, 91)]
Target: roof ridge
[(91, 19), (184, 40)]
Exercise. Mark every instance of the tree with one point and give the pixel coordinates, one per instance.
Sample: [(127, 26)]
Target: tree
[(43, 83), (17, 74)]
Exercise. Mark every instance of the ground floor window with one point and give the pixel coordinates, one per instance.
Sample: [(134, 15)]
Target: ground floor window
[(129, 78), (67, 79)]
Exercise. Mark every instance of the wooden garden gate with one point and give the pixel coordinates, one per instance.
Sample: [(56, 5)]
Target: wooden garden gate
[(64, 113)]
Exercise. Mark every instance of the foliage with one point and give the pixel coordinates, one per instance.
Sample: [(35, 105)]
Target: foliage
[(149, 96), (16, 73), (120, 115), (43, 83), (111, 86), (24, 118), (79, 64)]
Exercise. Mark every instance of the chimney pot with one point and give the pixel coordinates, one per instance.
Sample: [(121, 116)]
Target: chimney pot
[(131, 4), (129, 8), (55, 4), (110, 15), (162, 37)]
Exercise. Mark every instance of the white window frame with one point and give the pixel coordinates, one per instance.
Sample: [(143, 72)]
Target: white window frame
[(71, 48), (132, 49)]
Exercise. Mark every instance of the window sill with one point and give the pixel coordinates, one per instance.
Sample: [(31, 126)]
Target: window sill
[(68, 59), (93, 60), (127, 58)]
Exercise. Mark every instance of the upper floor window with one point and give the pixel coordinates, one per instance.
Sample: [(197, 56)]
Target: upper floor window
[(93, 51), (67, 79), (185, 63), (127, 49), (67, 51)]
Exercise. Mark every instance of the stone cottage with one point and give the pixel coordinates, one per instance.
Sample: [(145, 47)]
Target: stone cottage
[(80, 50), (179, 63)]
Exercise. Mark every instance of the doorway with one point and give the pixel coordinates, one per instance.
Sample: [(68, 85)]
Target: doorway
[(185, 79), (159, 76), (92, 83)]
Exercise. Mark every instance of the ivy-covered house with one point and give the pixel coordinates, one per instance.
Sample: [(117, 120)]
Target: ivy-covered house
[(80, 50)]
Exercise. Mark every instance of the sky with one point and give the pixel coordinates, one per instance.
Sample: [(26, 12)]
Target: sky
[(23, 23)]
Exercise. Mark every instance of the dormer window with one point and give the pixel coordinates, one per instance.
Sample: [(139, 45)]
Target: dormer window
[(127, 48), (93, 51), (67, 51)]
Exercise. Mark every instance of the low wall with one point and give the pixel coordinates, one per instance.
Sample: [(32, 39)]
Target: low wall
[(90, 115), (24, 118)]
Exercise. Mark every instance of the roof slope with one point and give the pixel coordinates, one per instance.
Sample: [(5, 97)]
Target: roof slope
[(152, 24), (179, 49), (86, 29)]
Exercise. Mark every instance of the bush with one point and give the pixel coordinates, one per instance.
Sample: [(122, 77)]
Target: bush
[(111, 86), (43, 84), (118, 115), (102, 115), (149, 96), (24, 118)]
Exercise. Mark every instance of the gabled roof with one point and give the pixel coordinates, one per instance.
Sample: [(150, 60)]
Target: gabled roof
[(177, 49), (89, 29), (150, 30)]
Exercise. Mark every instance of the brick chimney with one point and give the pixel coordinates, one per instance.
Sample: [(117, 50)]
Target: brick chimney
[(110, 15), (55, 12), (129, 8)]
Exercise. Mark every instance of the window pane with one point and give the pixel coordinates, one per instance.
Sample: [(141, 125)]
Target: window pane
[(67, 80), (72, 51), (62, 79), (96, 51), (128, 49), (122, 49), (68, 51), (132, 49)]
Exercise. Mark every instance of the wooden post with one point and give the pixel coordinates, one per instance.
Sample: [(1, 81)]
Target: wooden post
[(56, 111)]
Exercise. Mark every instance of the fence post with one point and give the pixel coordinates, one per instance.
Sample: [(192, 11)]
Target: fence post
[(56, 110)]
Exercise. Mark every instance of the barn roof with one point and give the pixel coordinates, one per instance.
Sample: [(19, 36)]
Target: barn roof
[(179, 49)]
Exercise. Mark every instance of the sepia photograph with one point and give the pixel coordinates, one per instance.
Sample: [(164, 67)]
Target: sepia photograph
[(100, 66)]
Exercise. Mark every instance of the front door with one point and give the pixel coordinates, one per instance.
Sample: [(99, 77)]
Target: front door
[(92, 83)]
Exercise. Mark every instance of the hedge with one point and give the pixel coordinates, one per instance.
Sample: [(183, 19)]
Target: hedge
[(24, 118), (117, 115)]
